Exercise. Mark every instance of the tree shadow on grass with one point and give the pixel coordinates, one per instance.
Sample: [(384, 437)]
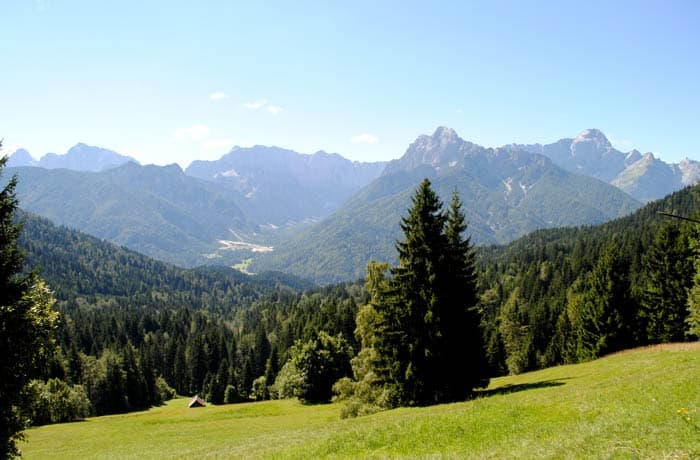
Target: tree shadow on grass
[(507, 389)]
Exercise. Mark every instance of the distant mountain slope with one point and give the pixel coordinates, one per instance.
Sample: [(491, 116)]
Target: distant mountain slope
[(649, 178), (642, 176), (281, 186), (78, 265), (506, 193), (21, 157), (80, 157), (83, 157), (553, 242), (158, 211)]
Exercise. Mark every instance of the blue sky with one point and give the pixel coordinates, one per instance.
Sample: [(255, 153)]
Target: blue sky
[(171, 81)]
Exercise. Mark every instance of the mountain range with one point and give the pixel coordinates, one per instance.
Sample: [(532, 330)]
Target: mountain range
[(323, 216), (644, 177), (234, 210), (506, 194), (80, 157), (281, 186), (158, 211)]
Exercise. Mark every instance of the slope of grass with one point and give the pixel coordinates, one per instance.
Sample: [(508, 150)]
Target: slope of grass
[(638, 404)]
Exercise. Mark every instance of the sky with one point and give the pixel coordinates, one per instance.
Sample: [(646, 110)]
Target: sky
[(174, 81)]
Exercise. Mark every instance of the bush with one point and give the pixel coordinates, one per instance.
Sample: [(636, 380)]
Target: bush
[(313, 368), (288, 382), (231, 395), (260, 392), (55, 402), (164, 391)]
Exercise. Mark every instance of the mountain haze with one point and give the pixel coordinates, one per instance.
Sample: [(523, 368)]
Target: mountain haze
[(225, 216), (158, 211), (282, 186), (322, 216), (21, 158), (80, 157)]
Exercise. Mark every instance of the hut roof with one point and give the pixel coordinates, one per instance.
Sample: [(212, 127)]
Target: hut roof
[(197, 402)]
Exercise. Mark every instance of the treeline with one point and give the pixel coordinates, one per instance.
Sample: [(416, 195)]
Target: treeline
[(568, 295)]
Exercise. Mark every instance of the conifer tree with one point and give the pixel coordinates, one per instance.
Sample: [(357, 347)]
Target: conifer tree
[(420, 333), (606, 315), (668, 270), (693, 319), (464, 366), (27, 323), (417, 282)]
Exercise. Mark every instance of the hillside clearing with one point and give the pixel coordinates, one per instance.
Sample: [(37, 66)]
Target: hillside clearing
[(643, 403)]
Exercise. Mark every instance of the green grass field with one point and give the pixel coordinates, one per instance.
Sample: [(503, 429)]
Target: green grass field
[(639, 404)]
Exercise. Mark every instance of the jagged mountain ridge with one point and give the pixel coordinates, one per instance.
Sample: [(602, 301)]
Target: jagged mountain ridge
[(282, 186), (644, 177), (80, 157), (21, 157), (506, 192), (167, 214)]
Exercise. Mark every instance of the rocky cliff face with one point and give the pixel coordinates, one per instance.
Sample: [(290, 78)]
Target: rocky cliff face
[(644, 177)]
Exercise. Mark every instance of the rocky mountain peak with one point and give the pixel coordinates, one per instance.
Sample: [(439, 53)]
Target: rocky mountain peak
[(632, 156), (21, 157), (443, 147), (444, 135), (594, 138), (83, 157)]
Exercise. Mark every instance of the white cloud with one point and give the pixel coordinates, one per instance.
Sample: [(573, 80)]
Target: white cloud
[(274, 109), (218, 96), (218, 144), (255, 105), (364, 138), (195, 132), (263, 104)]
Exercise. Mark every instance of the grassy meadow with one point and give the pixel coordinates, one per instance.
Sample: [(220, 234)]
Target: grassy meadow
[(638, 404)]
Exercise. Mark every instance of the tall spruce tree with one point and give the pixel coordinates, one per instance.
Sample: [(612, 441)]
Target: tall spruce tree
[(421, 333), (27, 324), (417, 282)]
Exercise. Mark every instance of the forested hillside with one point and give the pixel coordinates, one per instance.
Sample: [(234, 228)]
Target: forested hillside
[(131, 327), (566, 295), (158, 211), (79, 265)]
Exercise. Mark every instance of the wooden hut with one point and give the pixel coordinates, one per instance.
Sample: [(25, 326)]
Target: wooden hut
[(197, 402)]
